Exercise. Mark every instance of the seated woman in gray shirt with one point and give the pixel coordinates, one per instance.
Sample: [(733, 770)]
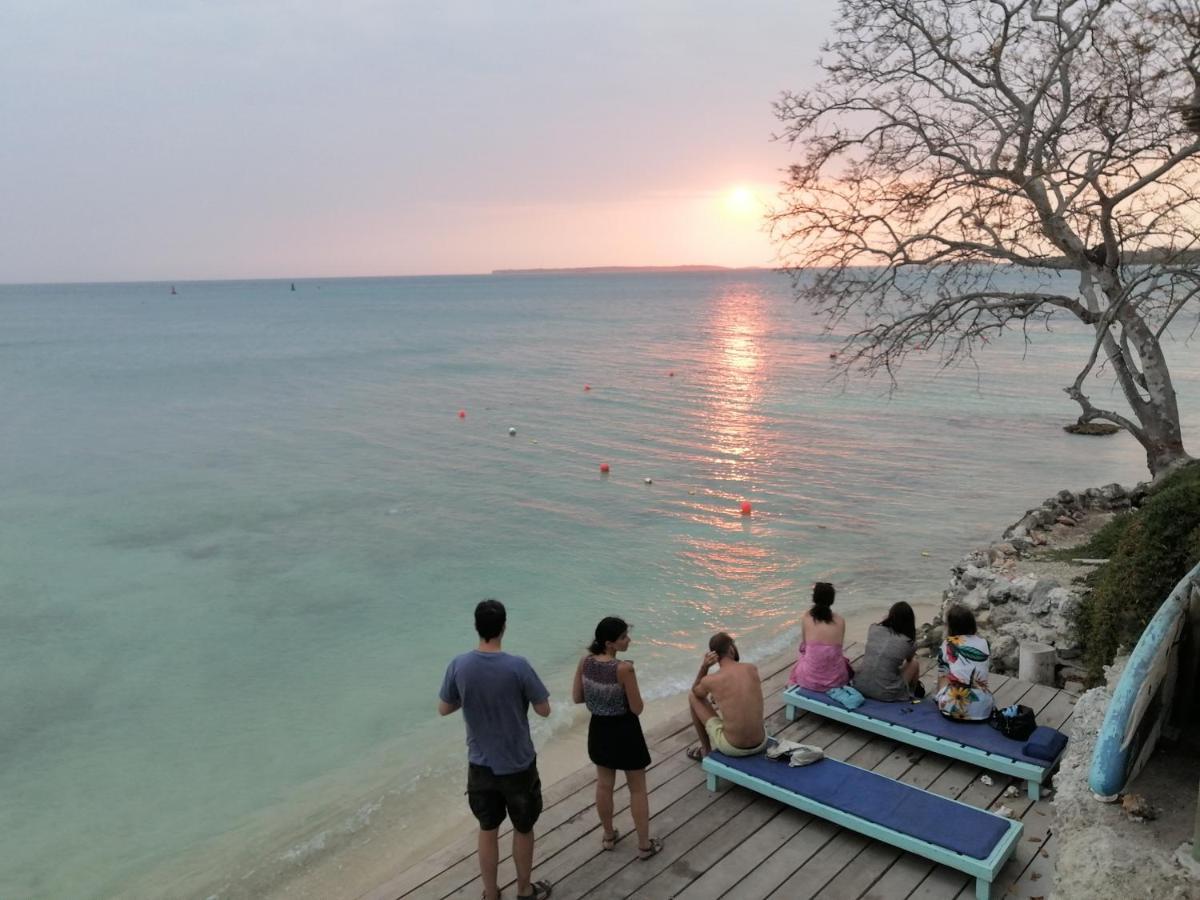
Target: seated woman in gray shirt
[(888, 669)]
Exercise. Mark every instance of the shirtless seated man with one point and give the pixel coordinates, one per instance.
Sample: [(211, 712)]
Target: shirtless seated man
[(736, 690)]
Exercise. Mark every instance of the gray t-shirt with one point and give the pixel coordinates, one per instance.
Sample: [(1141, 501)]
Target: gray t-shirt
[(877, 674), (495, 690)]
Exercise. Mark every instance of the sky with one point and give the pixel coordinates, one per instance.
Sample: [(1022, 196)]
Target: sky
[(190, 139)]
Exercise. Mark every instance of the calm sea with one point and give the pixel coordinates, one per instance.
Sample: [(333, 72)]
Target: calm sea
[(244, 528)]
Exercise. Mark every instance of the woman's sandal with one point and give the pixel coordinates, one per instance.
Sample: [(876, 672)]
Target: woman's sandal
[(695, 753), (653, 850), (541, 890), (608, 841)]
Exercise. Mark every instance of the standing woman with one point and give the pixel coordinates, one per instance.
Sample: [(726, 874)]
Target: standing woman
[(820, 664), (609, 688)]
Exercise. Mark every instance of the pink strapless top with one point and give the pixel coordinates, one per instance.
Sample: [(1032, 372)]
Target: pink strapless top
[(820, 667)]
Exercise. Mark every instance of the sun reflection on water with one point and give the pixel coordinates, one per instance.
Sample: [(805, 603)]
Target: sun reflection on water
[(731, 569)]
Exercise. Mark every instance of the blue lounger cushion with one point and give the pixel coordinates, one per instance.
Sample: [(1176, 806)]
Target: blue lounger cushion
[(925, 718), (890, 804), (1046, 743)]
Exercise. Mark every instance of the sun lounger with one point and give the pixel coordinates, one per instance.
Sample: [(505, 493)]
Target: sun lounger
[(921, 725), (945, 831)]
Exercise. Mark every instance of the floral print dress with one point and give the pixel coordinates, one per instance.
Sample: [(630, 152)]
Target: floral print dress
[(963, 661)]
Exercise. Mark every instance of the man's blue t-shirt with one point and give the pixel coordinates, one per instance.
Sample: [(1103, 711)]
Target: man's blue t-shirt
[(495, 690)]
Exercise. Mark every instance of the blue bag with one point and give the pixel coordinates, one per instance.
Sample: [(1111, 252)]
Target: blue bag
[(846, 695)]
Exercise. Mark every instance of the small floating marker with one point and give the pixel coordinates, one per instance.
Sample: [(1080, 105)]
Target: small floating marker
[(746, 508), (587, 387), (603, 468), (924, 552), (833, 356), (671, 374), (648, 480), (533, 442), (462, 413), (512, 432)]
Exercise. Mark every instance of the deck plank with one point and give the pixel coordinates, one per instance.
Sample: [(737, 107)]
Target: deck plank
[(737, 844)]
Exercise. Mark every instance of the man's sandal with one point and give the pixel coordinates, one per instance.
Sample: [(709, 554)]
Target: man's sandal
[(541, 890), (608, 841), (653, 850)]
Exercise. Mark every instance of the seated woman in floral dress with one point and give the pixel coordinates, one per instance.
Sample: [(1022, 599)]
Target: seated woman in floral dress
[(963, 670)]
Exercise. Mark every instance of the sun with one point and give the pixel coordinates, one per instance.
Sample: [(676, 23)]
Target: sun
[(741, 201)]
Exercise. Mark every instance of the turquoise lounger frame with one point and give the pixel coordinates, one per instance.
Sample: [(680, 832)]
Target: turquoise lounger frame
[(1032, 775), (982, 870)]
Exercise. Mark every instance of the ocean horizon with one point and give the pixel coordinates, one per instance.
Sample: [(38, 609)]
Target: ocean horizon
[(246, 527)]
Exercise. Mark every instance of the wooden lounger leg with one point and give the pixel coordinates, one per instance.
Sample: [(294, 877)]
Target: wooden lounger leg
[(789, 712), (983, 889), (1034, 790), (714, 783)]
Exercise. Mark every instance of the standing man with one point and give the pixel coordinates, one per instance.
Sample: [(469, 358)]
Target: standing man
[(736, 688), (495, 690)]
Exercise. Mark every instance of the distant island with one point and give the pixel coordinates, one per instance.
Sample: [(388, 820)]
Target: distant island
[(626, 270)]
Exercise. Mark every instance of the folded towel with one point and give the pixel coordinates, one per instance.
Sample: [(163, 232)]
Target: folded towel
[(848, 696), (797, 754), (1046, 743)]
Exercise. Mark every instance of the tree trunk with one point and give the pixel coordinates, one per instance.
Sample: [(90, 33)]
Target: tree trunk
[(1151, 396)]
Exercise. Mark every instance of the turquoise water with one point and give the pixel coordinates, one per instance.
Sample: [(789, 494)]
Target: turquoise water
[(244, 529)]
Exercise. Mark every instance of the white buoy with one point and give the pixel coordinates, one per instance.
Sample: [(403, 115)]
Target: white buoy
[(648, 481), (512, 432)]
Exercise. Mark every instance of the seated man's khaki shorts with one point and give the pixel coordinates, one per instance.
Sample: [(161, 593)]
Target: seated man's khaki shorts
[(716, 736)]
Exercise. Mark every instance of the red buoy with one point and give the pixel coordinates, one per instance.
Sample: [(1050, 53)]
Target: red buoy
[(462, 413), (746, 508), (587, 387), (603, 468), (670, 374)]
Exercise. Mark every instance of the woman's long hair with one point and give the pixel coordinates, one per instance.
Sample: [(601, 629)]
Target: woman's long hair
[(610, 629), (823, 594), (901, 620)]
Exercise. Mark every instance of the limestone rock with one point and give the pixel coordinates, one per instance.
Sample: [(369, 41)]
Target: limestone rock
[(1003, 615), (973, 575), (1005, 653), (1040, 602)]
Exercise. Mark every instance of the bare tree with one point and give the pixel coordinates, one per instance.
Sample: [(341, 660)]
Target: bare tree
[(953, 142)]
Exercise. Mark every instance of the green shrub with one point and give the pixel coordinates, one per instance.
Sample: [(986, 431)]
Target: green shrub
[(1154, 548)]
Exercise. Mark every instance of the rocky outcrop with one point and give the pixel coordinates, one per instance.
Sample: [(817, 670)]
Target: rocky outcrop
[(1066, 508), (1016, 598)]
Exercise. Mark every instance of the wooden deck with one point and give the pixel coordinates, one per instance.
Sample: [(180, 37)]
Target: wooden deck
[(736, 844)]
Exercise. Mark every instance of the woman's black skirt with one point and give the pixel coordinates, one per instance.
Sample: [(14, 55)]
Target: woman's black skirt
[(616, 742)]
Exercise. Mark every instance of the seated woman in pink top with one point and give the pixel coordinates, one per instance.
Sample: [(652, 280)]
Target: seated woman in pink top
[(821, 665)]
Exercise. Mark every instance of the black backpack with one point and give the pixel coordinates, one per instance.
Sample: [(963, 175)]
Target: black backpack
[(1016, 722)]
